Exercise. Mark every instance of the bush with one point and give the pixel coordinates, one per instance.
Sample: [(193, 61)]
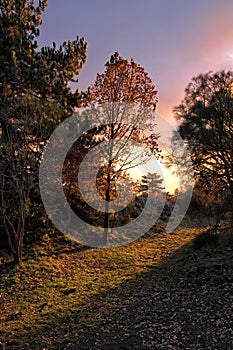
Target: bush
[(207, 238)]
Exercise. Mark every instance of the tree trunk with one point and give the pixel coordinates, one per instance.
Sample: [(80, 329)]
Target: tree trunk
[(18, 251), (107, 200), (19, 243), (106, 216)]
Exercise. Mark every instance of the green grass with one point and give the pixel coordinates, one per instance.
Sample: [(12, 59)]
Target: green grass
[(159, 292)]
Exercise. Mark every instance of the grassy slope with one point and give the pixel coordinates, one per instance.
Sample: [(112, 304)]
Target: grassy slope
[(156, 293)]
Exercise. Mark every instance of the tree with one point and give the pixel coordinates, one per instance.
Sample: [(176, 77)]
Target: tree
[(123, 81), (34, 97), (206, 116), (151, 180), (209, 202), (128, 99)]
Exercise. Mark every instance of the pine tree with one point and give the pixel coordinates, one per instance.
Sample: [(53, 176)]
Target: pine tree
[(34, 97)]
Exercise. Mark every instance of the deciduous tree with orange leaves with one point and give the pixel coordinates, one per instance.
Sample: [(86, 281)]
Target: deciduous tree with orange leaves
[(128, 99)]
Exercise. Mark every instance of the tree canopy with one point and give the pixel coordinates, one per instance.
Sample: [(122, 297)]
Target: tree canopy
[(124, 81), (206, 122)]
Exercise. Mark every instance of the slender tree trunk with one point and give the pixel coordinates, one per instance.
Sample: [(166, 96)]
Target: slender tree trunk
[(108, 189), (18, 256), (19, 250), (107, 200), (106, 217)]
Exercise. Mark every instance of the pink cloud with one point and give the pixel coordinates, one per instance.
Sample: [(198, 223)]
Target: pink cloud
[(206, 47)]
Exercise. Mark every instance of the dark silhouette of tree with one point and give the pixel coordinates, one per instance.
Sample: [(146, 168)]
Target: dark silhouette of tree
[(206, 122), (34, 97), (152, 181)]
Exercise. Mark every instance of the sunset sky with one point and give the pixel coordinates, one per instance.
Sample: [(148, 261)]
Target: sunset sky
[(172, 40)]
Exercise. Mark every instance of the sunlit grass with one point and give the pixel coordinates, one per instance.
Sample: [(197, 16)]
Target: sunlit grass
[(59, 278), (63, 292)]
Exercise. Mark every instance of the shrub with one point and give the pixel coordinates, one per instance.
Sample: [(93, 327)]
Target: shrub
[(207, 238)]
